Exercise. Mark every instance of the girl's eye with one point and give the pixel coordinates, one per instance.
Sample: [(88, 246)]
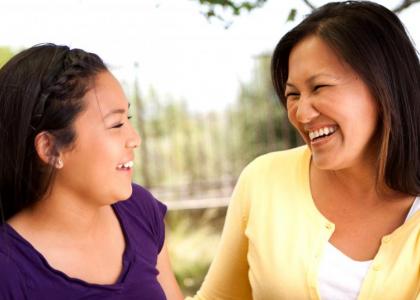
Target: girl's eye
[(118, 125)]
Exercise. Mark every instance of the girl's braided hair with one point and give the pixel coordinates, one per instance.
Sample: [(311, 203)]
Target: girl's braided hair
[(41, 90)]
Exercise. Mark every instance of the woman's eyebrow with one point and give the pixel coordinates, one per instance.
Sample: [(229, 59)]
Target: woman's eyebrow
[(313, 78), (290, 84)]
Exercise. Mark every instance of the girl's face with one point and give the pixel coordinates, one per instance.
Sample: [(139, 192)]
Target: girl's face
[(99, 165), (330, 106)]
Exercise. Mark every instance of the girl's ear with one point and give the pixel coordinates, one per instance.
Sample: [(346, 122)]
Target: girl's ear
[(45, 148)]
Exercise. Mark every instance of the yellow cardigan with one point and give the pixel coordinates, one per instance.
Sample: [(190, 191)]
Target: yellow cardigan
[(274, 237)]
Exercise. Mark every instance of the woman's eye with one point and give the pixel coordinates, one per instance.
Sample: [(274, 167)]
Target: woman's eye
[(292, 95), (317, 87)]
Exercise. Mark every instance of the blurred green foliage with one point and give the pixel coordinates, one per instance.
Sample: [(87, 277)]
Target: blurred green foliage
[(5, 54), (187, 149), (187, 155), (192, 239)]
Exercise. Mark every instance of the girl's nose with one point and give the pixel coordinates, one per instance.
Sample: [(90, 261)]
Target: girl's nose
[(134, 139)]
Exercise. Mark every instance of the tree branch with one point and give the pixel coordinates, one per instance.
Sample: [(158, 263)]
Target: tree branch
[(404, 4), (313, 7), (237, 7)]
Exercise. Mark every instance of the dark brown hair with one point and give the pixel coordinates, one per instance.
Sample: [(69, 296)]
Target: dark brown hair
[(373, 41), (41, 89)]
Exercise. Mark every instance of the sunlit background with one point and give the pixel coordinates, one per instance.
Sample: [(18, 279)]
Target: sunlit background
[(200, 89)]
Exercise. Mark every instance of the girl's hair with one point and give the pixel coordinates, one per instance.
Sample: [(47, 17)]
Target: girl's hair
[(373, 41), (41, 90)]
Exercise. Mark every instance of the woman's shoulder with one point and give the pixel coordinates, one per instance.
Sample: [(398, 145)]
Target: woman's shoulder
[(293, 154), (279, 161)]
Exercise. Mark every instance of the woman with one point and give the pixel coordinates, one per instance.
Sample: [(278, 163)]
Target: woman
[(338, 218), (65, 162)]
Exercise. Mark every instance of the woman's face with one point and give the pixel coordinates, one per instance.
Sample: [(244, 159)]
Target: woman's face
[(330, 106), (99, 165)]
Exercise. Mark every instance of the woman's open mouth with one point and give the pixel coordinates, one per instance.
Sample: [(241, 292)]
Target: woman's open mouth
[(321, 134)]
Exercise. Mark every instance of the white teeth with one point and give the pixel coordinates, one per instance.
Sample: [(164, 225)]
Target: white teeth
[(311, 135), (321, 132), (127, 165)]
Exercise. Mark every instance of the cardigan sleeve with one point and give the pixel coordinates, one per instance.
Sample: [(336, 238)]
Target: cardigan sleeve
[(228, 274)]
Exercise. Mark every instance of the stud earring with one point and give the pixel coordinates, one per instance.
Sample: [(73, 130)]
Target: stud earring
[(59, 164)]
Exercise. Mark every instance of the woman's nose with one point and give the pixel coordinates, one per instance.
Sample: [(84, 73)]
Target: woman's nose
[(306, 111)]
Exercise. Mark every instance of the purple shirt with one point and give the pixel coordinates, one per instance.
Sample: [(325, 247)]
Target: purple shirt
[(25, 273)]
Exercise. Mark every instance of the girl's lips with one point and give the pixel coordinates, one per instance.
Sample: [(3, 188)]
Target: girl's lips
[(127, 165), (126, 172)]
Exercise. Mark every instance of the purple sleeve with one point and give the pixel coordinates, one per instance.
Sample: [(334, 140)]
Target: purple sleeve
[(161, 224), (160, 211), (150, 212), (11, 280)]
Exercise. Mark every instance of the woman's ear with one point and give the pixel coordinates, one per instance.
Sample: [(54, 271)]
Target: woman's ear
[(46, 150)]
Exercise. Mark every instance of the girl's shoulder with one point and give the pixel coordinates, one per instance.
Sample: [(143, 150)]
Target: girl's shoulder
[(142, 217), (12, 283), (142, 203)]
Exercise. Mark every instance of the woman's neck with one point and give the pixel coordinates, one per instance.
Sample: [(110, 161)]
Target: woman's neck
[(358, 183)]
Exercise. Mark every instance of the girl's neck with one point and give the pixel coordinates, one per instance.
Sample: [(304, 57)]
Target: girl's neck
[(61, 211)]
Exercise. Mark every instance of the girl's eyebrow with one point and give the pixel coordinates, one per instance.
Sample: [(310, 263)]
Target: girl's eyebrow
[(117, 111)]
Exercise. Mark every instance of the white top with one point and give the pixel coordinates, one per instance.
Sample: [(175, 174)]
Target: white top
[(340, 277)]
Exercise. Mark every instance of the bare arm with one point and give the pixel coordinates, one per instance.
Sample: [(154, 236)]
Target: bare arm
[(166, 276), (227, 278)]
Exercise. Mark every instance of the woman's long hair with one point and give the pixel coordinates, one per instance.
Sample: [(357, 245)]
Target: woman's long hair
[(373, 41)]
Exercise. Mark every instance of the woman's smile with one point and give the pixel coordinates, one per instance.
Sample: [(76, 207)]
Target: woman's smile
[(322, 138), (331, 107)]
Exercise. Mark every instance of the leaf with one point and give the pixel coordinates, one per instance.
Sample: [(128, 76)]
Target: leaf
[(292, 15)]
